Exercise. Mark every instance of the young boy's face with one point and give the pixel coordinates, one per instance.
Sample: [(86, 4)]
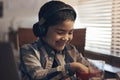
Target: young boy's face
[(59, 35)]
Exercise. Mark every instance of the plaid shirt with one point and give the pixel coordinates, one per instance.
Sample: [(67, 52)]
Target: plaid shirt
[(40, 62)]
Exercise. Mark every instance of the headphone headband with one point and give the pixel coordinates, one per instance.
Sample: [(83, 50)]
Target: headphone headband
[(47, 16), (61, 9)]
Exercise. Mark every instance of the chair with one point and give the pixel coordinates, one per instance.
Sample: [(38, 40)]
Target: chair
[(25, 35)]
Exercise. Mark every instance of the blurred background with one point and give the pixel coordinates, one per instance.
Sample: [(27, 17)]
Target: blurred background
[(17, 13)]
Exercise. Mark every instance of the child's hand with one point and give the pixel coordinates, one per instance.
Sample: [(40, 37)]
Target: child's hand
[(78, 67)]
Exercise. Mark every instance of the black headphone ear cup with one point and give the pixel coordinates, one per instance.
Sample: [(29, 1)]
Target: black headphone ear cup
[(42, 31), (39, 30)]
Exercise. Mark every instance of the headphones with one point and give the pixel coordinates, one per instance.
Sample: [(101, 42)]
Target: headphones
[(41, 29)]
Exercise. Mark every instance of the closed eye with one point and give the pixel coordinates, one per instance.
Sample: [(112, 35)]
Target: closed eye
[(61, 32)]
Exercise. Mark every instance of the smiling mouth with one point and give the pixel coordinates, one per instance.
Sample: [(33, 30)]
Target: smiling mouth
[(61, 43)]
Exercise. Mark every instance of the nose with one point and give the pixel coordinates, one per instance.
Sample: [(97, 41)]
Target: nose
[(67, 37)]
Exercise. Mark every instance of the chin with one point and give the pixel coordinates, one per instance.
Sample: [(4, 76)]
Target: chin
[(60, 48)]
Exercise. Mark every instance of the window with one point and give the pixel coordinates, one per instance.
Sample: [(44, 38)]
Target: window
[(115, 49), (102, 21)]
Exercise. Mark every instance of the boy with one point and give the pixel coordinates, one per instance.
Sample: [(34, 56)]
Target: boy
[(52, 57)]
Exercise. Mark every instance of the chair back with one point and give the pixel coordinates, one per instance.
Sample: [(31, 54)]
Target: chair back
[(25, 35)]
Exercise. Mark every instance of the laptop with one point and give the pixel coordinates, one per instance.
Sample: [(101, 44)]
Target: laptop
[(8, 66)]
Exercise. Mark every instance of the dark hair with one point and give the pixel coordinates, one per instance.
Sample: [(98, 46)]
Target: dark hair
[(52, 13)]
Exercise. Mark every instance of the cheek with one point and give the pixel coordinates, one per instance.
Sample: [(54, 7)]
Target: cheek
[(52, 37), (71, 37), (57, 38)]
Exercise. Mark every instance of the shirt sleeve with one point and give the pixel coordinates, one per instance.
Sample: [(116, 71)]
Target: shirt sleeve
[(82, 59)]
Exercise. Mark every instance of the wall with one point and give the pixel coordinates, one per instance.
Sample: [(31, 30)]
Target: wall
[(19, 13)]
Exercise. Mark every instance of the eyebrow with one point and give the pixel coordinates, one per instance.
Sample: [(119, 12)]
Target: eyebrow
[(63, 29)]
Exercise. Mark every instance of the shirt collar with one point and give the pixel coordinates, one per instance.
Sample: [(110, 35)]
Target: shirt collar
[(49, 50)]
